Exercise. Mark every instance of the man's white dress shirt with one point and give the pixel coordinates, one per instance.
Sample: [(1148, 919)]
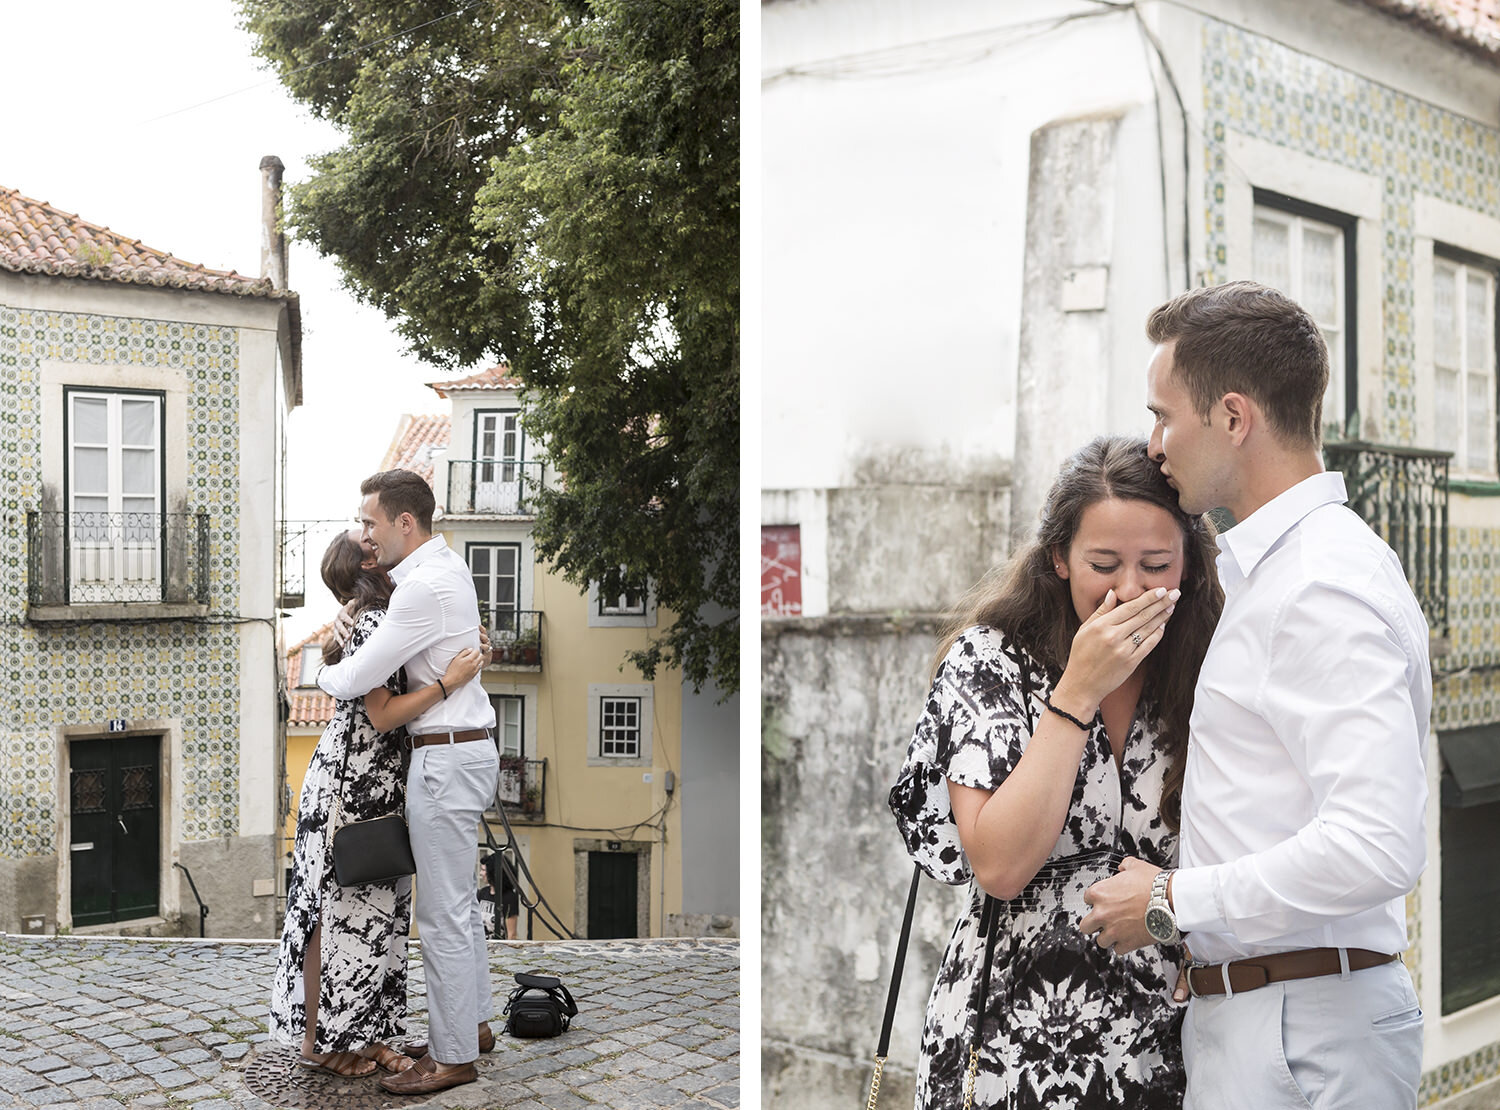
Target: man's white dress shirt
[(433, 615), (1306, 783)]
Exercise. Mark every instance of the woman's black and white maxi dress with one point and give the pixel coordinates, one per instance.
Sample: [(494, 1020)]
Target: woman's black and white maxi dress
[(362, 996), (1067, 1024)]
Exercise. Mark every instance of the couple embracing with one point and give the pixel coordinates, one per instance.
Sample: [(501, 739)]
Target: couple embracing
[(406, 682), (1187, 788)]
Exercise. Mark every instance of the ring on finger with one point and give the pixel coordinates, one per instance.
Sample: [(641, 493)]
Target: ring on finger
[(1136, 639)]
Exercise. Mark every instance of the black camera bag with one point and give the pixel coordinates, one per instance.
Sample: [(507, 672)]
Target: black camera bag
[(539, 1007)]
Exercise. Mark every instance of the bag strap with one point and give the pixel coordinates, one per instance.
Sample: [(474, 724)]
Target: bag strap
[(568, 1004), (896, 969), (336, 815), (989, 927)]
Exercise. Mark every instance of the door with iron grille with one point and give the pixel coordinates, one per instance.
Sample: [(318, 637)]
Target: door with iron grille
[(115, 795)]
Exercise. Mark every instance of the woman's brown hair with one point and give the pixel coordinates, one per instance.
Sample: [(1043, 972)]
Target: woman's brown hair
[(348, 580), (1026, 600)]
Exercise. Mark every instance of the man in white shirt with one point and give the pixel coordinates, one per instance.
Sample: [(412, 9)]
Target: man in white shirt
[(1305, 790), (433, 615)]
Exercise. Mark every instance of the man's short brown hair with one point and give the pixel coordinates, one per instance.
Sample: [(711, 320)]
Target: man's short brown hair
[(402, 491), (1243, 337)]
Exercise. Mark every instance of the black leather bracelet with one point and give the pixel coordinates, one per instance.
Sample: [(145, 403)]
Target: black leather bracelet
[(443, 688), (1065, 715)]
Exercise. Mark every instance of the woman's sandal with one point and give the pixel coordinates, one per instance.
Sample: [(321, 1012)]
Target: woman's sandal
[(390, 1059), (345, 1065)]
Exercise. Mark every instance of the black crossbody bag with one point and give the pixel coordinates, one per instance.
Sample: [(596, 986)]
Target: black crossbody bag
[(374, 851)]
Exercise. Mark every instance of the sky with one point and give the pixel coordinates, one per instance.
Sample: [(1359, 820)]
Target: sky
[(155, 128)]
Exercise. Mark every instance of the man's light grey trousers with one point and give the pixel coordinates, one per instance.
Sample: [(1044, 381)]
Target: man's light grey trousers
[(447, 790)]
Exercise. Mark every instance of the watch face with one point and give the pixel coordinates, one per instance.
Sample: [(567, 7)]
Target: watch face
[(1159, 923)]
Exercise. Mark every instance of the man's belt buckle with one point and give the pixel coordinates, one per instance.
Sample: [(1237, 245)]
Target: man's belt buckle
[(1227, 971), (1194, 965)]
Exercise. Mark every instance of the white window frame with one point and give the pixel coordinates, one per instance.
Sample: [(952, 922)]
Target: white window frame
[(312, 659), (1469, 366), (1444, 229), (1269, 166), (488, 607), (601, 693), (504, 704), (1334, 331), (620, 728), (527, 694), (499, 451), (105, 563), (605, 612)]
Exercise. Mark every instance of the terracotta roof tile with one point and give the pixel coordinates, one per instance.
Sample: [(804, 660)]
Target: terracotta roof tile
[(310, 707), (1473, 25), (37, 238), (416, 440), (496, 377)]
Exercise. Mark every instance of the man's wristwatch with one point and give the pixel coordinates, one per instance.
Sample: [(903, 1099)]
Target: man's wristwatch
[(1161, 922)]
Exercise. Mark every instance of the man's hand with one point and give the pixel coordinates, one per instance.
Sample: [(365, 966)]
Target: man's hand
[(1117, 913), (343, 623)]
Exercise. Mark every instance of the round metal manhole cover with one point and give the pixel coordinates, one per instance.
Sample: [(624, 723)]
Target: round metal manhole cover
[(275, 1076)]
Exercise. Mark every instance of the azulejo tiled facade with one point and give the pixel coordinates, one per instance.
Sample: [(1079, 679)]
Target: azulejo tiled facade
[(86, 673), (1268, 91), (1271, 92)]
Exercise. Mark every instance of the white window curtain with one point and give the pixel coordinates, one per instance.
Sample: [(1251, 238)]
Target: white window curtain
[(1304, 258), (1463, 364)]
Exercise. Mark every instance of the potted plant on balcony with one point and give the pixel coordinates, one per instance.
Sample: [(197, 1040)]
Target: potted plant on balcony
[(531, 800), (527, 648)]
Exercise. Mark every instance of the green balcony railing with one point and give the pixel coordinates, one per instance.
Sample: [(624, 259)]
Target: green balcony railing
[(1402, 493)]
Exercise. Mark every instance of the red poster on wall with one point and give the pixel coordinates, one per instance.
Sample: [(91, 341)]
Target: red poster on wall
[(781, 571)]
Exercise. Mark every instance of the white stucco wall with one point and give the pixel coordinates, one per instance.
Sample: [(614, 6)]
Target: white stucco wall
[(896, 147)]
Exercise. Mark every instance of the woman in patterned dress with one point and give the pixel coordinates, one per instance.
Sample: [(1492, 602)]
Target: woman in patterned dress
[(1104, 617), (340, 985)]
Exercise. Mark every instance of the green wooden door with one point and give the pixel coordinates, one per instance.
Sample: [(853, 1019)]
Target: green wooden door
[(612, 895), (116, 828)]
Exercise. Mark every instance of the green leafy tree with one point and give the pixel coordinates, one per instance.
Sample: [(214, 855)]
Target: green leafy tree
[(555, 183)]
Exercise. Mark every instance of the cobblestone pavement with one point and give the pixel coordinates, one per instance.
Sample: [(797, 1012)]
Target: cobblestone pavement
[(105, 1023)]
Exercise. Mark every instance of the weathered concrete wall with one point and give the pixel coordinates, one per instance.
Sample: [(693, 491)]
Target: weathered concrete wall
[(28, 888), (1065, 330), (903, 548), (840, 697), (223, 870)]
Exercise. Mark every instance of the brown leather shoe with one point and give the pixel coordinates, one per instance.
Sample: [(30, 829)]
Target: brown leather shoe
[(418, 1049), (422, 1078)]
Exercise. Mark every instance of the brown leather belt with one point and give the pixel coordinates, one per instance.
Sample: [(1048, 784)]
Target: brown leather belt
[(447, 737), (1257, 971)]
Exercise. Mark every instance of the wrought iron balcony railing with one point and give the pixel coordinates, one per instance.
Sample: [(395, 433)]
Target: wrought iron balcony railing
[(117, 558), (523, 788), (293, 548), (499, 486), (1402, 493), (515, 636)]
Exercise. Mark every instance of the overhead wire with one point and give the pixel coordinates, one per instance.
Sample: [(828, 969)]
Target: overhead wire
[(321, 62)]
